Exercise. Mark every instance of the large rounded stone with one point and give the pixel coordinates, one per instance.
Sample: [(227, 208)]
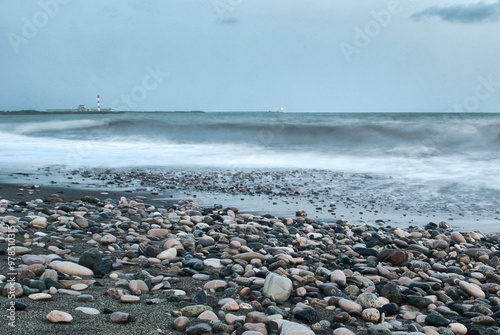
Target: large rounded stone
[(472, 289), (418, 301), (277, 287), (349, 305), (181, 323), (368, 300), (371, 315), (39, 223), (71, 269)]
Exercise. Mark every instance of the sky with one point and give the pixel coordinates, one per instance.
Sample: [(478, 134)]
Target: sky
[(246, 55)]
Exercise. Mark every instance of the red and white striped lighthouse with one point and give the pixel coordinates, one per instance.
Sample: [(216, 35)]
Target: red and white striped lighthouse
[(98, 103)]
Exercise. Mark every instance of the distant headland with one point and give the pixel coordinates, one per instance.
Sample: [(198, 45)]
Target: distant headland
[(77, 112)]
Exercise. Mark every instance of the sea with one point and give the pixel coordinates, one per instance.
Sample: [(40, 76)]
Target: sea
[(453, 155)]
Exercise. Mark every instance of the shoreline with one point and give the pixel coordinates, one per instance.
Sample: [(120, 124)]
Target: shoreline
[(265, 191)]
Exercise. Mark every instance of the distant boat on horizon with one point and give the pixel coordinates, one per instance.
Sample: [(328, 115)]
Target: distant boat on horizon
[(281, 110)]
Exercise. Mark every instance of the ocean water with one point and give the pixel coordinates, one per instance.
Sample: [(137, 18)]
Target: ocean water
[(461, 149)]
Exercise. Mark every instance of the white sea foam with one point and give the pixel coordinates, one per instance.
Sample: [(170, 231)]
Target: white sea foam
[(430, 148)]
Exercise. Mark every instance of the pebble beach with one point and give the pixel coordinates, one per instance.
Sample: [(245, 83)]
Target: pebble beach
[(111, 262)]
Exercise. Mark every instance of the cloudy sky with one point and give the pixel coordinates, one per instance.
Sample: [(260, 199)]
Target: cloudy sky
[(316, 55)]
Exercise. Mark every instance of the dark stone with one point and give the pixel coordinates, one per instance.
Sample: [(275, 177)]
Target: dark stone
[(187, 272), (212, 301), (49, 282), (199, 329), (329, 289), (173, 298), (194, 263), (103, 267), (117, 266), (200, 298), (391, 291), (90, 257), (417, 301), (272, 327), (230, 292), (453, 295), (366, 251), (455, 269), (107, 311), (19, 306), (436, 320), (415, 327), (391, 309), (152, 251), (423, 286), (65, 208), (276, 310), (461, 309), (38, 284), (307, 315), (277, 265), (92, 200)]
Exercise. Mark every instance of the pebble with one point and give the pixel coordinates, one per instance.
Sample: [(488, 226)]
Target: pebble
[(127, 298), (293, 328), (85, 298), (368, 300), (167, 254), (199, 329), (38, 222), (33, 259), (79, 287), (195, 310), (88, 310), (472, 289), (71, 269), (120, 317), (458, 328), (215, 284), (40, 296), (181, 323), (342, 331), (59, 317), (108, 239), (208, 316), (371, 315), (349, 305)]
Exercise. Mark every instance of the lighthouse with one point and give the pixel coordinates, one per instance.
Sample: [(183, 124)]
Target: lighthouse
[(98, 103)]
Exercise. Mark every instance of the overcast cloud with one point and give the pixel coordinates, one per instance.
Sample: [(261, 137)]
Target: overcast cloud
[(316, 55), (471, 13)]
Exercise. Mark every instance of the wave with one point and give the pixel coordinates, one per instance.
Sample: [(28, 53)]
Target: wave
[(400, 137), (51, 128)]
